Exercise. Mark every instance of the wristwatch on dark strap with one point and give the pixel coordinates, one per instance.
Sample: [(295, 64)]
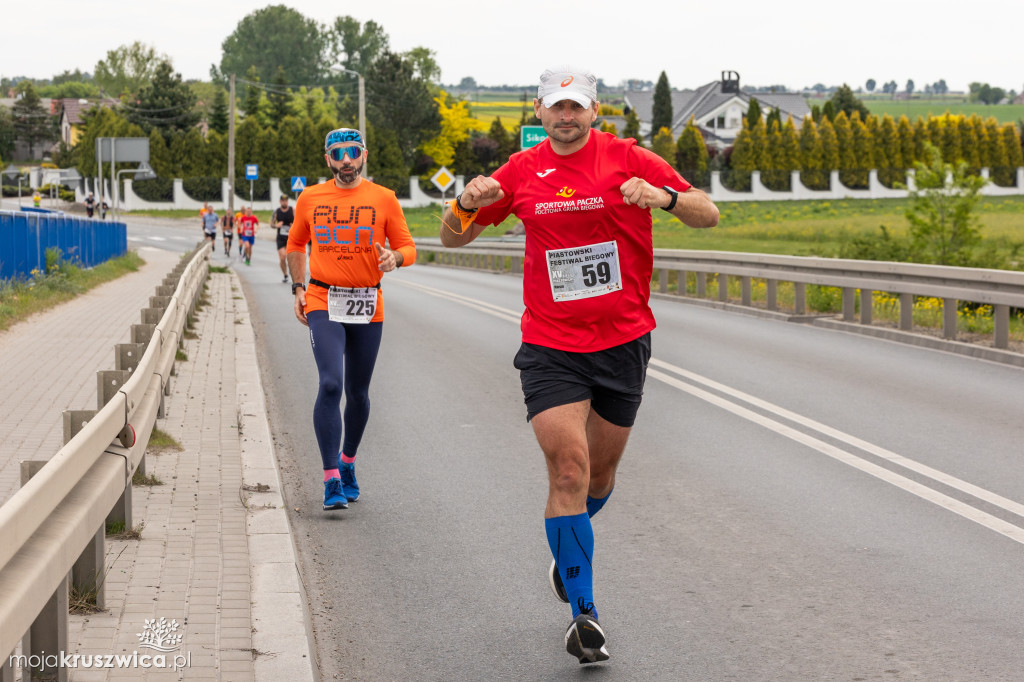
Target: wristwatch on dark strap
[(674, 194), (297, 285)]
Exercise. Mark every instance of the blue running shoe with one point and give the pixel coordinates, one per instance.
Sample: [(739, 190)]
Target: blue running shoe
[(334, 496), (348, 481)]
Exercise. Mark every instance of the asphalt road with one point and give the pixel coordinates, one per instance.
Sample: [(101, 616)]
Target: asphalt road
[(794, 504)]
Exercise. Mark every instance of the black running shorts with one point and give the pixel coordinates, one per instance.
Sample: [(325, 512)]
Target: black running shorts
[(282, 241), (612, 379)]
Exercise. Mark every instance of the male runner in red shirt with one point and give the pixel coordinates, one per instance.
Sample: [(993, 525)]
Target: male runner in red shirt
[(248, 226), (585, 198)]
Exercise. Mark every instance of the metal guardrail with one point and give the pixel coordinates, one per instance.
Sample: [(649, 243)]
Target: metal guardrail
[(52, 529), (1002, 289)]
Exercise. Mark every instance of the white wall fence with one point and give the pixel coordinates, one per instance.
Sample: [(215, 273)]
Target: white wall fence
[(133, 202), (417, 197)]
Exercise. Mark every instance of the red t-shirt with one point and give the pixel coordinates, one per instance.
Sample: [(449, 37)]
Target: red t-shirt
[(589, 255), (247, 225)]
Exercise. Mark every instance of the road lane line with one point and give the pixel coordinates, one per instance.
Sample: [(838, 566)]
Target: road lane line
[(880, 452), (924, 492), (484, 307), (963, 509)]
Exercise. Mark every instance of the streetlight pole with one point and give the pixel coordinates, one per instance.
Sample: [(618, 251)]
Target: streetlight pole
[(362, 107)]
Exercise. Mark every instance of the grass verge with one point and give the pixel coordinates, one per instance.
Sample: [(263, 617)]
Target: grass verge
[(62, 281)]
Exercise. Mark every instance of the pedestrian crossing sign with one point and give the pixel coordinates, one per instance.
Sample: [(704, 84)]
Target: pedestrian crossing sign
[(298, 183)]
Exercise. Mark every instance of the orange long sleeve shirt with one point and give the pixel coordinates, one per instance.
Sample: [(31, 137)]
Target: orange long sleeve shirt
[(343, 226)]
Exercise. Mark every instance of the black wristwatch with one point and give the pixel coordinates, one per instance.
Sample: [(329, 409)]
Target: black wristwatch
[(674, 194), (461, 207), (297, 285)]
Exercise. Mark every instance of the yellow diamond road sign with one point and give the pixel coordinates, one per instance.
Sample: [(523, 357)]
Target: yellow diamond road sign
[(443, 179)]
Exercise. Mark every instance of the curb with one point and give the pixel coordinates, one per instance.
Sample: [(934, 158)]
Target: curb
[(282, 628)]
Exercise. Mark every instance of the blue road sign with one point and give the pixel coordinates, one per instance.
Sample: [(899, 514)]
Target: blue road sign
[(252, 171), (298, 183)]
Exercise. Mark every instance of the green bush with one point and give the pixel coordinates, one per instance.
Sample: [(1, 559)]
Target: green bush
[(160, 189), (824, 299), (202, 189)]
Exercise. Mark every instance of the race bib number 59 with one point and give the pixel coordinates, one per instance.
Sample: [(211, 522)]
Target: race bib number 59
[(584, 271), (353, 306)]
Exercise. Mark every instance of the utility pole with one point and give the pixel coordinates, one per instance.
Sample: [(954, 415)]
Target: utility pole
[(231, 146)]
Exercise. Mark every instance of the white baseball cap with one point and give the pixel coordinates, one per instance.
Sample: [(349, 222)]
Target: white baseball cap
[(565, 82)]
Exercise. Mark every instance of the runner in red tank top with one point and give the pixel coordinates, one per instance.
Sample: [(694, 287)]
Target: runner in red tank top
[(585, 199)]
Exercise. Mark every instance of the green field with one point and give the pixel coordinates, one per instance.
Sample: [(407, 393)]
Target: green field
[(487, 106), (1004, 113)]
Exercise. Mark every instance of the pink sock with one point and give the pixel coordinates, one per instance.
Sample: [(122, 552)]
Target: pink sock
[(346, 459), (331, 473)]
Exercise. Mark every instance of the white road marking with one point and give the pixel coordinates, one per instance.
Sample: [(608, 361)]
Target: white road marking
[(965, 510)]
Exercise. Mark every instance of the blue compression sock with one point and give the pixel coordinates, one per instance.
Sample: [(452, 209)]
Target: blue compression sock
[(594, 504), (571, 539)]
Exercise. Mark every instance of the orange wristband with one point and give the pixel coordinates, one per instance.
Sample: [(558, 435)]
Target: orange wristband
[(464, 216)]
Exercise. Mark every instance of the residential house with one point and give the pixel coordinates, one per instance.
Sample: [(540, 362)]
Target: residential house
[(71, 112), (717, 108)]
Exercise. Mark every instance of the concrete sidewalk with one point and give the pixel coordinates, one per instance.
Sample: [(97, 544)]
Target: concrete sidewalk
[(215, 553)]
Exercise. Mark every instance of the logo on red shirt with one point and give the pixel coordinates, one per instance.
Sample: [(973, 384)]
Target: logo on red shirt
[(565, 192)]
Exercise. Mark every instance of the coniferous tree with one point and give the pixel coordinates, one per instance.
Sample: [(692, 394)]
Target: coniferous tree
[(632, 128), (33, 124), (922, 135), (812, 173), (661, 108), (253, 95), (692, 155), (219, 111), (847, 158), (829, 149), (787, 157), (280, 97), (159, 155), (664, 146), (753, 114), (863, 150), (950, 139), (968, 144), (828, 111), (843, 100), (743, 161), (982, 140), (887, 153), (994, 154), (389, 167), (905, 133), (1014, 154), (771, 175), (166, 103)]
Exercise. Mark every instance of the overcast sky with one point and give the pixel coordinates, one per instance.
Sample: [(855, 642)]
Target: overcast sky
[(797, 43)]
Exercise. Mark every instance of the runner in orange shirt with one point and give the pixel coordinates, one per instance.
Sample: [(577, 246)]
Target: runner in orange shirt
[(347, 221)]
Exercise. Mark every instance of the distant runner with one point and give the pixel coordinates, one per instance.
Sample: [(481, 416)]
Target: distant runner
[(227, 228), (249, 226), (282, 219), (209, 220)]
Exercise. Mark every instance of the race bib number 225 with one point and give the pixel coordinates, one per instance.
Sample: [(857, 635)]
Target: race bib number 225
[(354, 306)]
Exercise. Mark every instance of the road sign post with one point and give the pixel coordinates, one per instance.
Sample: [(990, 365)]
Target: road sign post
[(298, 183), (531, 136), (252, 173), (443, 179)]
